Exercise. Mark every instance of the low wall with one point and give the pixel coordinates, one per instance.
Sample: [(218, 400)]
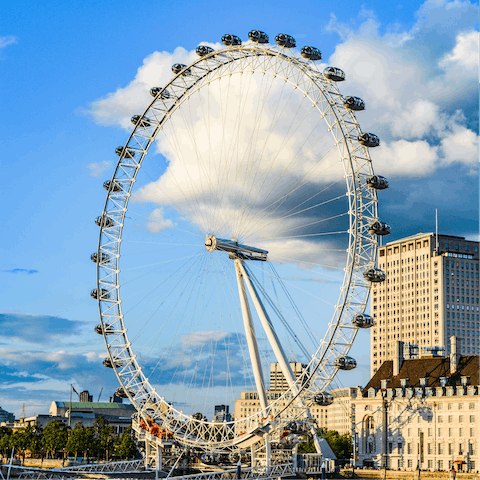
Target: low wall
[(406, 475)]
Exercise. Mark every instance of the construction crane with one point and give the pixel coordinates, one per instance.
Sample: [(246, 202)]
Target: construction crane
[(101, 390)]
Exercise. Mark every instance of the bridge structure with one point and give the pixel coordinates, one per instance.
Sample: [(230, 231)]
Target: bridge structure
[(308, 463)]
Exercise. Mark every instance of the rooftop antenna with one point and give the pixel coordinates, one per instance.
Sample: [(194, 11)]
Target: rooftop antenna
[(22, 415), (436, 231)]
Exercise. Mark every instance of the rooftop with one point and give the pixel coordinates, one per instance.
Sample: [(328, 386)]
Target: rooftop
[(432, 368), (90, 405)]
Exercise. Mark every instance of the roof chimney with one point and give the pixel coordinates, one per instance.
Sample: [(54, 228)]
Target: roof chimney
[(454, 356), (398, 358)]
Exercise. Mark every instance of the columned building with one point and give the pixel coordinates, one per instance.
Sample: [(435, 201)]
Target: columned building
[(431, 292), (421, 413)]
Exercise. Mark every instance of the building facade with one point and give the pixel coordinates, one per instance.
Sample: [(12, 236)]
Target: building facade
[(431, 292), (421, 413)]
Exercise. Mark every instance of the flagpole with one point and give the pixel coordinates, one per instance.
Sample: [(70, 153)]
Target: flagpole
[(70, 408)]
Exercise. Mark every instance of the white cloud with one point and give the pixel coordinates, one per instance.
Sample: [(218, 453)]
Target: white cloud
[(464, 55), (8, 40), (96, 170), (460, 145), (200, 338), (157, 222)]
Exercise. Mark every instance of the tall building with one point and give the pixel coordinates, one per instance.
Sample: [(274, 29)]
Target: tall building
[(278, 383), (430, 293)]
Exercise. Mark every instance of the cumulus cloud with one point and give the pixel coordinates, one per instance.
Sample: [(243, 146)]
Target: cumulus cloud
[(157, 222), (96, 170)]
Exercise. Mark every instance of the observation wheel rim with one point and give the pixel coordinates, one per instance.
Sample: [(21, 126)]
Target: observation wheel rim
[(319, 357)]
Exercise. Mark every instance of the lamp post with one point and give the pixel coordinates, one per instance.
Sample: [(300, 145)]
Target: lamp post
[(385, 431)]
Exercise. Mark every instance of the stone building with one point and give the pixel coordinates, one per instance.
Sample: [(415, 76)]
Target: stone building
[(421, 412)]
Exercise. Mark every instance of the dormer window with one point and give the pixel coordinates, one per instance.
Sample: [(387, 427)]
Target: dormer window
[(384, 384), (403, 382), (464, 380), (423, 381), (443, 381)]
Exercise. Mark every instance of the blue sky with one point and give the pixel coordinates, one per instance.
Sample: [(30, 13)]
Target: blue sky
[(65, 70)]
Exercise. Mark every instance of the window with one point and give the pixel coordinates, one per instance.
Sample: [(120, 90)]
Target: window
[(472, 418)]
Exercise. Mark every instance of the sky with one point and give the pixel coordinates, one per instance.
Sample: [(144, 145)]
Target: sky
[(72, 75)]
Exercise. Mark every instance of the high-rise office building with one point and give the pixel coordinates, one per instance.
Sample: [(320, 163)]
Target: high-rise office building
[(431, 292), (278, 382)]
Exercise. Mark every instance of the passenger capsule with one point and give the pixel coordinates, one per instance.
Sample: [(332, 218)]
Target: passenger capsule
[(256, 36), (377, 182), (203, 50), (368, 140), (334, 73), (323, 399), (112, 186), (374, 275), (104, 221), (156, 90), (120, 392), (108, 329), (379, 228), (104, 258), (354, 103), (125, 152), (103, 294), (231, 40), (140, 122), (345, 363), (108, 363), (180, 67), (362, 320), (286, 41), (311, 53)]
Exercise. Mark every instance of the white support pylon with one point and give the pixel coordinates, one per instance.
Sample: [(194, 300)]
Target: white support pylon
[(277, 349), (252, 348)]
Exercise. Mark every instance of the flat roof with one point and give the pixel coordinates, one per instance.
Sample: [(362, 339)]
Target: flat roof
[(109, 405), (419, 235)]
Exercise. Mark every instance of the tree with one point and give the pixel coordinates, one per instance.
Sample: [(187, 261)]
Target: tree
[(5, 441), (340, 444), (199, 416), (125, 446), (103, 433), (55, 437), (81, 439), (21, 440)]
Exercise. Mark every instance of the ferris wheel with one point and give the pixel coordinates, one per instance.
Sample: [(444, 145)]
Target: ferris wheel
[(238, 243)]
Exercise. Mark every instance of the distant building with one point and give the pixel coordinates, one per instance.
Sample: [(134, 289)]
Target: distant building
[(430, 293), (341, 413), (222, 413), (85, 396), (117, 414), (61, 409), (421, 412), (278, 383), (6, 417)]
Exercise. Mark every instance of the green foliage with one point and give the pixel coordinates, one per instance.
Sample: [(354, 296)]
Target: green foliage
[(104, 437), (199, 416), (340, 444), (5, 441), (125, 446), (55, 437), (81, 440)]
